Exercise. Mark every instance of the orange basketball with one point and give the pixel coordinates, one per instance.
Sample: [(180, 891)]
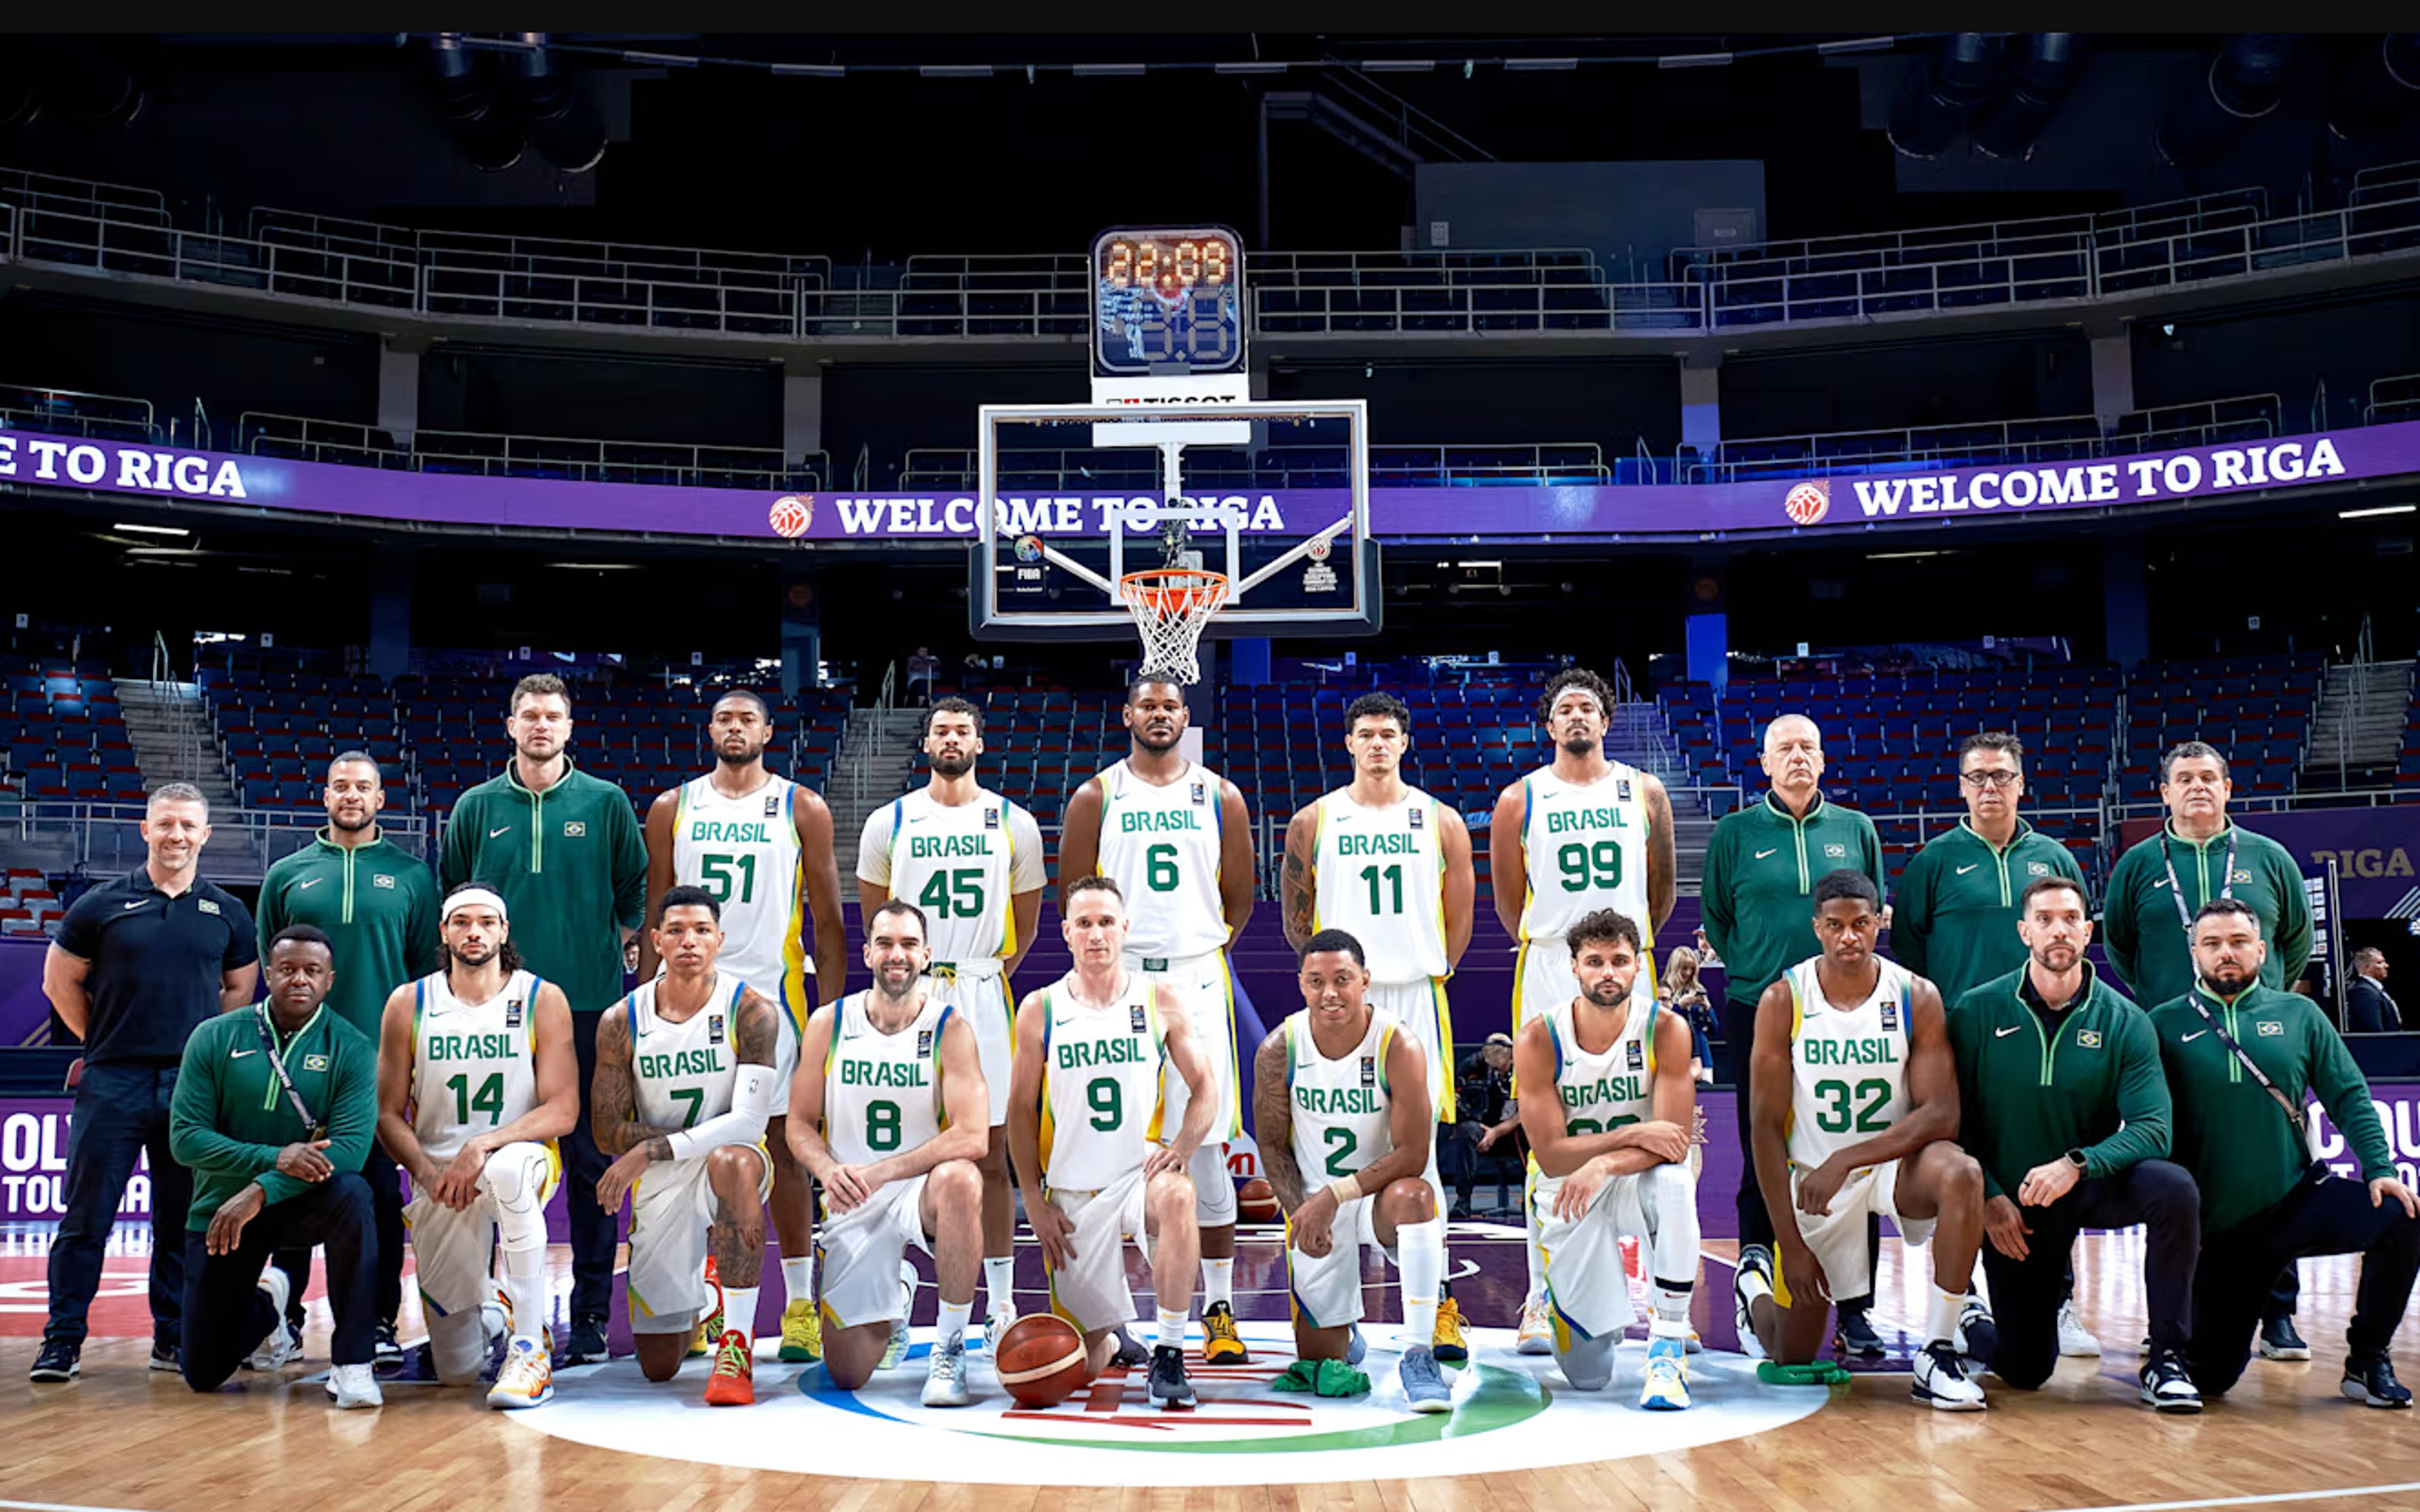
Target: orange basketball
[(1041, 1360), (1255, 1203)]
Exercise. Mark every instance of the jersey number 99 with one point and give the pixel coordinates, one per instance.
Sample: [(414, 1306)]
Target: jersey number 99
[(1590, 866)]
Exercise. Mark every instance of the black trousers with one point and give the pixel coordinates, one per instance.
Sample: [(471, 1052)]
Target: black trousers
[(120, 1112), (226, 1313), (2025, 1295), (1754, 1222), (2232, 1286), (386, 1204), (593, 1229)]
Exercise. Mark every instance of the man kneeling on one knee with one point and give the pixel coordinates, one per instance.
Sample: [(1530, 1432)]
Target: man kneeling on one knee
[(274, 1109)]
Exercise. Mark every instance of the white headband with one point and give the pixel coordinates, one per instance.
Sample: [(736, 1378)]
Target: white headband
[(464, 897)]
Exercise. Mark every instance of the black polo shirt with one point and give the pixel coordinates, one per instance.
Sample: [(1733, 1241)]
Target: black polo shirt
[(156, 961)]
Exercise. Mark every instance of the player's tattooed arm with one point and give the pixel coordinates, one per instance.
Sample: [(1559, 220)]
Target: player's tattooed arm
[(1273, 1122), (754, 1030), (1297, 879), (1663, 854), (613, 1094)]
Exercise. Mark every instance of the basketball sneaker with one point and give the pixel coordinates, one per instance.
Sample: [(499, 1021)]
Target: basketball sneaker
[(386, 1351), (1001, 1313), (709, 1328), (1128, 1351), (1536, 1335), (55, 1363), (1168, 1388), (945, 1376), (896, 1350), (2167, 1384), (282, 1345), (1220, 1343), (163, 1358), (1424, 1387), (1941, 1380), (1356, 1347), (1755, 1262), (1977, 1339), (1667, 1387), (2076, 1342), (2372, 1383), (527, 1379), (734, 1381), (1449, 1345), (802, 1332), (2278, 1340), (587, 1342), (1853, 1334), (352, 1385)]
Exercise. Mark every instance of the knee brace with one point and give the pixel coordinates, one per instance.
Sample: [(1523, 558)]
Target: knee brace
[(1587, 1364), (457, 1346), (514, 1184), (1214, 1190)]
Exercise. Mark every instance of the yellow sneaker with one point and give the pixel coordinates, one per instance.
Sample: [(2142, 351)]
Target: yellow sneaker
[(527, 1379), (802, 1332), (1448, 1345), (1220, 1343)]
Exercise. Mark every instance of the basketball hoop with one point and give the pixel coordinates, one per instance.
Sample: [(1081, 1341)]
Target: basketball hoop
[(1171, 606)]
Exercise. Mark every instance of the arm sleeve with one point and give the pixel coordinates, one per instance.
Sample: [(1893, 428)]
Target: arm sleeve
[(194, 1137), (454, 861), (751, 1103), (2343, 1092), (244, 947), (630, 864), (1912, 926), (2293, 918), (2142, 1102), (874, 847), (1025, 861), (2119, 939)]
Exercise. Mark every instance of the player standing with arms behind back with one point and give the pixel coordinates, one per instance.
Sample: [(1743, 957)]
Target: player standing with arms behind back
[(972, 861), (761, 846), (1389, 865), (1579, 834), (1177, 840)]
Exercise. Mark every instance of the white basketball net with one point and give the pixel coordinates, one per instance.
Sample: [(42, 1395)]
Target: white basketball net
[(1171, 606)]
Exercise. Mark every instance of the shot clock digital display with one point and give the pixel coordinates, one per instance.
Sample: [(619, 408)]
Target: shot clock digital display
[(1167, 301)]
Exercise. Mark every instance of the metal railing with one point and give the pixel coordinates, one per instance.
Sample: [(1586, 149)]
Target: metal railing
[(2388, 222), (43, 191), (67, 412), (1544, 463), (2388, 180), (2203, 423), (106, 838), (1427, 268), (110, 244), (586, 459), (1508, 305), (2393, 398), (1858, 251)]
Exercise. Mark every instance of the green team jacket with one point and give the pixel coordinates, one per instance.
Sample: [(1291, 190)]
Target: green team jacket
[(1762, 866), (2031, 1088), (230, 1116), (1955, 919), (2139, 929), (571, 866), (377, 902), (2231, 1133)]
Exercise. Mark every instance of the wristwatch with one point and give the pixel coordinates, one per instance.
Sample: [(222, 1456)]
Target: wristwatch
[(2075, 1157)]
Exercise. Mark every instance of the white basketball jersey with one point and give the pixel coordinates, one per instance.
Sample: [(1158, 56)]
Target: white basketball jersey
[(1586, 844), (1609, 1088), (1848, 1066), (474, 1065), (745, 852), (1339, 1108), (957, 864), (882, 1092), (1380, 875), (1100, 1083), (685, 1073), (1160, 846)]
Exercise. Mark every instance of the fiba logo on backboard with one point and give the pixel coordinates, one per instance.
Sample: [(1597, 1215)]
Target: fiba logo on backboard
[(791, 515), (1808, 503)]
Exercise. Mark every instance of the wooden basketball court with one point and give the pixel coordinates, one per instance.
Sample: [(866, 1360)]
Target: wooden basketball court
[(124, 1436)]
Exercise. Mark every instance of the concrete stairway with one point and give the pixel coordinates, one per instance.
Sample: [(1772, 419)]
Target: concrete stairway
[(877, 761), (1638, 735), (2356, 736), (175, 741)]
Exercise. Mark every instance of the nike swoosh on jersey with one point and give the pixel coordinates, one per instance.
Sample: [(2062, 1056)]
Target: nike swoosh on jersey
[(2001, 1034), (2191, 1038), (493, 833), (239, 1054), (1762, 854), (1964, 869), (133, 904), (305, 886)]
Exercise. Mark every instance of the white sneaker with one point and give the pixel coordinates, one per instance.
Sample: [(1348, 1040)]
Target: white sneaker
[(527, 1379), (2075, 1341), (1537, 1332), (1001, 1313), (281, 1346), (945, 1376), (896, 1350), (353, 1385), (1941, 1380)]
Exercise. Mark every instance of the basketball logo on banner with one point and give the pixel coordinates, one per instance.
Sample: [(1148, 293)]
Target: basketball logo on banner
[(1808, 503), (791, 515)]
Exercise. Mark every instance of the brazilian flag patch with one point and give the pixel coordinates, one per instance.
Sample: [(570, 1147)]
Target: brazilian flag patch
[(315, 1063)]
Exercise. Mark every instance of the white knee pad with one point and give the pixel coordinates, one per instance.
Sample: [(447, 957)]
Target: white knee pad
[(1214, 1190), (1588, 1364), (459, 1345), (514, 1182)]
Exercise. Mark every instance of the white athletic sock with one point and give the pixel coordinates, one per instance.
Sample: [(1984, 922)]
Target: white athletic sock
[(907, 1283), (1751, 1283), (953, 1322), (1941, 1318), (999, 1279), (1171, 1330), (1420, 1250), (1537, 1257), (739, 1310), (799, 1278), (524, 1284), (1217, 1284)]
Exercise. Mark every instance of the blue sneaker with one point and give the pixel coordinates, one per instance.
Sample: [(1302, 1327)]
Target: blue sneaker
[(1667, 1389), (1356, 1347), (1424, 1387)]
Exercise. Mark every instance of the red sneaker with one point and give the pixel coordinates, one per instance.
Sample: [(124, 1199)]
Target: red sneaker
[(734, 1381)]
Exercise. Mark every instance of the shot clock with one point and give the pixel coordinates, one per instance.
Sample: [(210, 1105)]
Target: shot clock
[(1167, 303)]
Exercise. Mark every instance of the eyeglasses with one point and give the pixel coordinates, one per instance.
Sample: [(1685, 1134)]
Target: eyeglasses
[(1989, 780)]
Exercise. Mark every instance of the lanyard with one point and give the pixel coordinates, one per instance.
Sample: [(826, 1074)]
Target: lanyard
[(277, 1063), (2284, 1104), (2177, 890)]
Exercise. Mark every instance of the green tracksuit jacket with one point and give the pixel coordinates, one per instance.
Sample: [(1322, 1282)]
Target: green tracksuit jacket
[(2231, 1133), (2139, 927), (1762, 866), (377, 902), (230, 1116), (1955, 917), (2033, 1086), (571, 866)]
